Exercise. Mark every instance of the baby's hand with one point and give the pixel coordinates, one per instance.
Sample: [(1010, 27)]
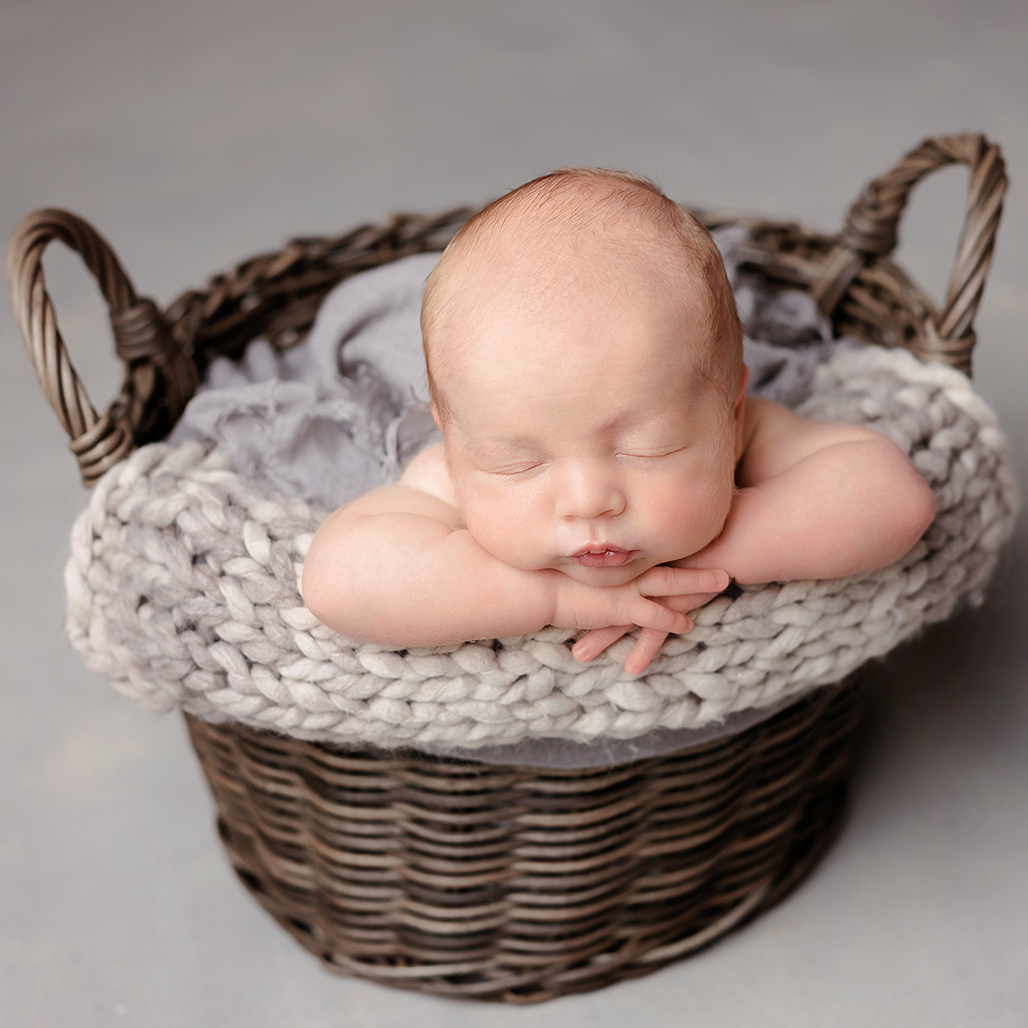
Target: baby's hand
[(676, 590)]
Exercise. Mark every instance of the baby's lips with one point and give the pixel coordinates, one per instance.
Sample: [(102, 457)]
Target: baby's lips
[(603, 557)]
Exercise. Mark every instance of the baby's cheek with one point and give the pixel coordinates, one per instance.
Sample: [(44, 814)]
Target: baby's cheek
[(695, 516), (501, 529), (719, 503)]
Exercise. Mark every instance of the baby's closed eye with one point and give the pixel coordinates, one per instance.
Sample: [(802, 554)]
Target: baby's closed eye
[(515, 470), (645, 453)]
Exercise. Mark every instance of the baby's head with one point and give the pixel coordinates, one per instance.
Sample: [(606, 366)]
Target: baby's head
[(585, 365)]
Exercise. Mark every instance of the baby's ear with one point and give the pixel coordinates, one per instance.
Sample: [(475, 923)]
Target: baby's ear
[(740, 412), (435, 417)]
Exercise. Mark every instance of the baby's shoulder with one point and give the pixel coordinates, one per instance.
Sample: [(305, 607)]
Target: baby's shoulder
[(763, 420), (429, 473), (775, 438)]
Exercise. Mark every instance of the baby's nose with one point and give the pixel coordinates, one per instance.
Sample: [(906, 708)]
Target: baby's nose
[(589, 493)]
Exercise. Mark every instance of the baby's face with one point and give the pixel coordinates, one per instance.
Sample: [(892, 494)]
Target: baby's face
[(585, 438)]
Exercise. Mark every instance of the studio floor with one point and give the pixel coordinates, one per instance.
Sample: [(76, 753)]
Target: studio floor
[(195, 134)]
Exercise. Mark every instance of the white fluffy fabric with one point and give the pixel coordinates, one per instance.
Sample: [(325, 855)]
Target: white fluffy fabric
[(183, 591)]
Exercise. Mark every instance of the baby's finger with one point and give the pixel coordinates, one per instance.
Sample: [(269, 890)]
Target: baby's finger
[(668, 581), (645, 649), (650, 614), (595, 641), (687, 602)]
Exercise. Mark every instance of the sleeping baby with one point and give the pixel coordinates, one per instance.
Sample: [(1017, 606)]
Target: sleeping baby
[(602, 468)]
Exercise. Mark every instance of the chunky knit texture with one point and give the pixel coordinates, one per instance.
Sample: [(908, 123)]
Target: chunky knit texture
[(183, 590)]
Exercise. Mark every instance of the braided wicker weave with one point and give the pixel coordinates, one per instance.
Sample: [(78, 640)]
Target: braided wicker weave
[(520, 884), (465, 878)]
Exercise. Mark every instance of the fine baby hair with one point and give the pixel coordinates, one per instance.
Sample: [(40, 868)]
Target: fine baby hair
[(571, 201)]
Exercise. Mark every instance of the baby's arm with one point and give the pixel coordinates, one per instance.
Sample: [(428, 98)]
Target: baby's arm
[(397, 567), (816, 500)]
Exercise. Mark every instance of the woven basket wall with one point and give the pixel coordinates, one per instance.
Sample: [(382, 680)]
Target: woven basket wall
[(464, 878)]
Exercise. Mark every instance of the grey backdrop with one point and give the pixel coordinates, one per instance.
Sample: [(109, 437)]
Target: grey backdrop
[(194, 134)]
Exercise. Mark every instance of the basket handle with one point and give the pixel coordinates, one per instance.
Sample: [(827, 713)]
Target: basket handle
[(871, 231), (159, 376)]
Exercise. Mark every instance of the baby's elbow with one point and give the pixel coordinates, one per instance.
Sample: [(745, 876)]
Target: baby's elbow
[(315, 590), (335, 603), (324, 587), (913, 510)]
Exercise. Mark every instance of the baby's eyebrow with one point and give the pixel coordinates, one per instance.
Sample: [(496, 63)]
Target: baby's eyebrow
[(502, 447), (499, 457)]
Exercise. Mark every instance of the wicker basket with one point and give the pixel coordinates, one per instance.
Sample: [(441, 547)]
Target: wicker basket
[(471, 879)]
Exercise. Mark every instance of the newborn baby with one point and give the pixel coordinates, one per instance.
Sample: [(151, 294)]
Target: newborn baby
[(601, 466)]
